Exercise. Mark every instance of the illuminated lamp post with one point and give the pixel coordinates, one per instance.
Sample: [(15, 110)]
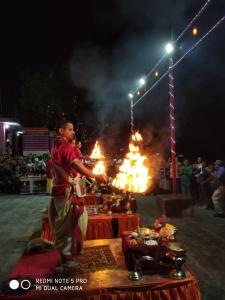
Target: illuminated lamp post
[(143, 82)]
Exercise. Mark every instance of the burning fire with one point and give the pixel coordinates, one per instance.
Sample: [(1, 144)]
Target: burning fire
[(99, 168), (136, 137), (96, 153), (133, 175)]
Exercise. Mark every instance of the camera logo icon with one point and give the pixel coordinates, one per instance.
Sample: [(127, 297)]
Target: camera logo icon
[(25, 284)]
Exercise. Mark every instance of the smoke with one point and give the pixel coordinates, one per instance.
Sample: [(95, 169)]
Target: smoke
[(109, 73)]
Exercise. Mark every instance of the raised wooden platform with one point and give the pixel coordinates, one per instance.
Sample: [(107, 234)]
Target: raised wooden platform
[(175, 206), (109, 283)]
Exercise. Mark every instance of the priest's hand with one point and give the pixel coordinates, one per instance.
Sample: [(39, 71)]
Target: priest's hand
[(102, 178)]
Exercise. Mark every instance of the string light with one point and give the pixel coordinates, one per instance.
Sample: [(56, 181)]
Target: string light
[(142, 81), (169, 48), (132, 116), (175, 64), (194, 31), (130, 95), (178, 38), (200, 40), (193, 20), (151, 88)]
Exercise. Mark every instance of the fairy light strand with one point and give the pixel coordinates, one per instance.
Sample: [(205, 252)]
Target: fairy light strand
[(193, 20), (179, 60), (172, 124), (132, 116), (178, 38), (199, 41)]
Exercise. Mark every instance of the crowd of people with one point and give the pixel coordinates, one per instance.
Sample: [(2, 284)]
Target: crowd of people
[(202, 181), (12, 168)]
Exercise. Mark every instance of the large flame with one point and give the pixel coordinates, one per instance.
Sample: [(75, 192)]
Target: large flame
[(96, 153), (133, 175), (99, 168), (136, 137)]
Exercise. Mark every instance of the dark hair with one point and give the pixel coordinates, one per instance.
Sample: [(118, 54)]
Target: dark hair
[(62, 124)]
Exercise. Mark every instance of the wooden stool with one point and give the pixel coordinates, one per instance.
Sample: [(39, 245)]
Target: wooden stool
[(175, 206)]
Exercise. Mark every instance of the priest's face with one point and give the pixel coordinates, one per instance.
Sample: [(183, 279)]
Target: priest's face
[(67, 132)]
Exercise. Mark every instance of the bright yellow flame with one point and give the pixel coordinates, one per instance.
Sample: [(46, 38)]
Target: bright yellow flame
[(138, 93), (156, 73), (136, 137), (194, 31), (99, 168), (133, 175), (96, 153)]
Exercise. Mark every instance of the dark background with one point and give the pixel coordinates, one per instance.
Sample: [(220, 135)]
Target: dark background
[(79, 59)]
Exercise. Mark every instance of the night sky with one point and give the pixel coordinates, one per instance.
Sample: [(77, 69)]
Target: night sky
[(106, 47)]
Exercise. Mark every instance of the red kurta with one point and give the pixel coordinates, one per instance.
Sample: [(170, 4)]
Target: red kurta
[(78, 153), (62, 155)]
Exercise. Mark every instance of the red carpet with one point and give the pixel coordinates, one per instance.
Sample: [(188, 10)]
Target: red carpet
[(43, 265), (40, 265)]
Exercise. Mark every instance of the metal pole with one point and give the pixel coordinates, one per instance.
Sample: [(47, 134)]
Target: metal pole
[(172, 124)]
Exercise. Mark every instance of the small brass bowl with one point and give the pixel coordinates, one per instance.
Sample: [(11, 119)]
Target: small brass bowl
[(177, 249)]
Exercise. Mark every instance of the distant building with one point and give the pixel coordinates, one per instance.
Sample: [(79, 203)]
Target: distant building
[(36, 141), (15, 139), (11, 132)]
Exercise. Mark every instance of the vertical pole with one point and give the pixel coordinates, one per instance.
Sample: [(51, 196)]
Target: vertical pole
[(132, 116), (172, 124)]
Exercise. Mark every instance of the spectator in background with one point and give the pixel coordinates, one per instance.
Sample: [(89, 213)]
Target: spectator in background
[(73, 143), (42, 165), (219, 170), (22, 164), (200, 163), (39, 165), (195, 184), (207, 183), (30, 166), (185, 176), (218, 197), (78, 149), (77, 146)]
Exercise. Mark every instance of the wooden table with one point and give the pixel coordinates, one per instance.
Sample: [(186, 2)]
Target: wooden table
[(114, 283)]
